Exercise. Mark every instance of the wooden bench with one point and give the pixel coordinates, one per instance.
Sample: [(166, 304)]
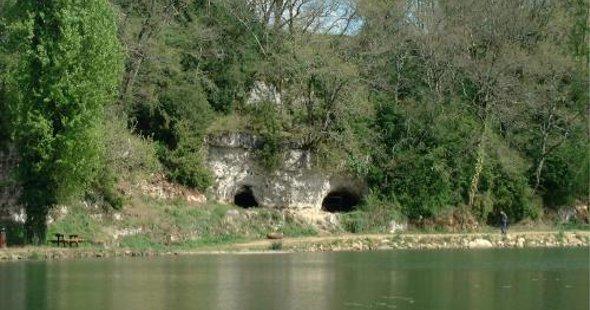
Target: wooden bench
[(74, 240)]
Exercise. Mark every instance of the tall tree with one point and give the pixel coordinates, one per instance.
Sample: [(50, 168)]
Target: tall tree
[(67, 68)]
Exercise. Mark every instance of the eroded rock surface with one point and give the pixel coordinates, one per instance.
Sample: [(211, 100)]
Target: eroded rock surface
[(295, 184)]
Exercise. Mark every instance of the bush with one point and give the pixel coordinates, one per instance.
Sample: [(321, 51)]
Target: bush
[(420, 184), (187, 168), (353, 222), (374, 215), (178, 123), (276, 246), (127, 155)]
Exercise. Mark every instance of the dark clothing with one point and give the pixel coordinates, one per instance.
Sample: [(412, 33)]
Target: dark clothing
[(503, 222)]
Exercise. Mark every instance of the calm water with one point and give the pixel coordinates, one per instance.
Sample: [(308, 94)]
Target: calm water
[(486, 279)]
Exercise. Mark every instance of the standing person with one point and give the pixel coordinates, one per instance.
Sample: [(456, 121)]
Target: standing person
[(503, 222), (3, 238)]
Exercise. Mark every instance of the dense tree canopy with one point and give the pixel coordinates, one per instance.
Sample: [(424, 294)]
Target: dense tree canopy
[(437, 104)]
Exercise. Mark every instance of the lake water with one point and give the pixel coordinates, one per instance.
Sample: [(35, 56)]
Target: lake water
[(483, 279)]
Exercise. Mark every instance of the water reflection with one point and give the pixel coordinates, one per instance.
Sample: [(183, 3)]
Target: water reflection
[(495, 279)]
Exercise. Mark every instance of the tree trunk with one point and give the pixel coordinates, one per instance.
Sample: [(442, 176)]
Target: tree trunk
[(541, 163), (479, 164), (35, 225)]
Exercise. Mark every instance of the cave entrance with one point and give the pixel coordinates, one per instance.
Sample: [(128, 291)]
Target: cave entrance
[(245, 198), (340, 201)]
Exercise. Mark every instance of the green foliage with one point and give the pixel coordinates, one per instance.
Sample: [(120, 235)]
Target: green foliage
[(5, 129), (171, 106), (473, 118), (373, 216), (186, 115), (128, 156), (140, 242), (15, 232), (57, 88), (434, 117), (266, 123), (416, 167), (353, 222), (186, 167), (567, 172)]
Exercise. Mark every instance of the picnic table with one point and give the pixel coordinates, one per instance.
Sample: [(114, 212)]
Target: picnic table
[(71, 240)]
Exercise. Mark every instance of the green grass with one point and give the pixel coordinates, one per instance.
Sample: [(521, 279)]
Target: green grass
[(293, 230), (140, 242), (573, 225)]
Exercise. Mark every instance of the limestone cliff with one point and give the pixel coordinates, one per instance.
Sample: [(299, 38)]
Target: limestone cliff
[(295, 184)]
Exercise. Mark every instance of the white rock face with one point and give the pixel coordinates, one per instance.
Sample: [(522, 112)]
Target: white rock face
[(295, 184), (261, 92)]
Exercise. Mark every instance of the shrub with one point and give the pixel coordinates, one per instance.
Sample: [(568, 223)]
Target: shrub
[(276, 246)]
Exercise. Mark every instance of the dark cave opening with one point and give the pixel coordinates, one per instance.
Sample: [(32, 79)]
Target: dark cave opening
[(245, 198), (340, 201)]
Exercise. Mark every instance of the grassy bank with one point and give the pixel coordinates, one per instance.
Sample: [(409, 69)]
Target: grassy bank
[(148, 223)]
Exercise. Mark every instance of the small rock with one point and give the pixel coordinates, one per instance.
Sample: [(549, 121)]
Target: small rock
[(480, 244), (275, 235), (520, 242), (394, 227)]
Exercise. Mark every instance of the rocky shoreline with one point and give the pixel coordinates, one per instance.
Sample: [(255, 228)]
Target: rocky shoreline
[(447, 241), (401, 241)]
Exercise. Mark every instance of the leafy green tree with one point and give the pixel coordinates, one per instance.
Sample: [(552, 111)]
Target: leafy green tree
[(485, 95), (67, 68)]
